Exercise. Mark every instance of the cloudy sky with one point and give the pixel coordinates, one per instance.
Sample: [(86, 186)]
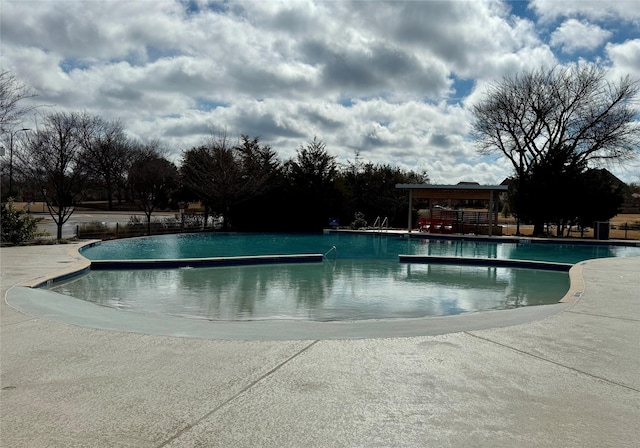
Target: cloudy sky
[(393, 80)]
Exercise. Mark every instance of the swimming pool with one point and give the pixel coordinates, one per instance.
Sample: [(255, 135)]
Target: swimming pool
[(359, 279), (345, 246)]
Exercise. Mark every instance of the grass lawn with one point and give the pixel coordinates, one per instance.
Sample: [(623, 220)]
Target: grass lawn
[(616, 231)]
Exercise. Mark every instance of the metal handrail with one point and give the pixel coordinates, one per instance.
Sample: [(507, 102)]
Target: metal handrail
[(333, 249)]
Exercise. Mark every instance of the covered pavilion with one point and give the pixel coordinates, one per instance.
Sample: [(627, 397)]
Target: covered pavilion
[(461, 191)]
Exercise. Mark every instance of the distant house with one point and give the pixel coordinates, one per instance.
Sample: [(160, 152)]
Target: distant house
[(631, 196), (468, 203), (631, 199)]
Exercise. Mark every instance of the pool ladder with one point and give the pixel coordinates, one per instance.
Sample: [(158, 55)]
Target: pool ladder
[(378, 225)]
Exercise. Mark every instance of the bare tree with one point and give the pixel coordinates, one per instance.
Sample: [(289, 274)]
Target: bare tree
[(535, 115), (105, 152), (11, 142), (527, 115), (209, 173), (152, 179), (12, 93), (51, 159), (223, 176)]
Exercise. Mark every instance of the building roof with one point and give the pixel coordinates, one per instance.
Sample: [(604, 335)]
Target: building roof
[(460, 191), (452, 187)]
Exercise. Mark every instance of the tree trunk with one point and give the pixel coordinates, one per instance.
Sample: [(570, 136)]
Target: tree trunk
[(59, 224), (206, 217), (109, 189), (560, 229), (538, 229), (110, 198), (148, 223)]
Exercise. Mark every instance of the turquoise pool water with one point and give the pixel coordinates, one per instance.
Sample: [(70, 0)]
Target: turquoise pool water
[(347, 246), (352, 289), (360, 278)]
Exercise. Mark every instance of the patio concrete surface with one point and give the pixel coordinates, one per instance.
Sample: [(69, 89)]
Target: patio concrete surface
[(569, 379)]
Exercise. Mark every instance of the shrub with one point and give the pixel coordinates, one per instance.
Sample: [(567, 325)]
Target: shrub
[(17, 226), (359, 221)]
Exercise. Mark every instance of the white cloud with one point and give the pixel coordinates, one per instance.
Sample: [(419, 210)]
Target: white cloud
[(625, 57), (392, 80), (624, 10), (575, 35), (94, 30)]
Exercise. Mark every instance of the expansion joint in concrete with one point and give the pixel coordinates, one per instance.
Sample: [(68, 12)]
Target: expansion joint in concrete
[(541, 358), (18, 322), (604, 315), (238, 394)]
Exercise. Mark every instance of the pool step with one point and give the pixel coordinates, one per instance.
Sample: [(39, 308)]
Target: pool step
[(205, 262), (492, 262)]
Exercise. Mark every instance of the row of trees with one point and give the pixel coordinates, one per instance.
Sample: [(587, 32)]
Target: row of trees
[(68, 158), (254, 190), (74, 157), (554, 126)]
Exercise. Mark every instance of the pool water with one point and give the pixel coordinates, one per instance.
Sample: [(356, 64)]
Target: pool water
[(360, 277), (347, 246), (340, 290)]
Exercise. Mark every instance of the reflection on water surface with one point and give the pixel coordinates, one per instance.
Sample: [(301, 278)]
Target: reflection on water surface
[(340, 290), (360, 279)]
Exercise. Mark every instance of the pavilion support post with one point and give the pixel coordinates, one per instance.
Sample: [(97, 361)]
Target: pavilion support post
[(410, 218), (490, 213)]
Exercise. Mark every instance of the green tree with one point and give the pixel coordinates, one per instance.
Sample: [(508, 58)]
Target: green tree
[(599, 198), (371, 189), (546, 193), (261, 178), (312, 176)]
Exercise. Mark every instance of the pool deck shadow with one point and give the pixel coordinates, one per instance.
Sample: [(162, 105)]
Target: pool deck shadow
[(565, 377)]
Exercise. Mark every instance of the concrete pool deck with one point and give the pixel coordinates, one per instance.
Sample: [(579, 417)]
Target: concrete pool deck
[(568, 379)]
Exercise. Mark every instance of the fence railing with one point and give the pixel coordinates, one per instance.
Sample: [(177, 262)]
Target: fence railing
[(137, 227)]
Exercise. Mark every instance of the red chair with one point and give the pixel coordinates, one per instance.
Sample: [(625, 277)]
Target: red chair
[(424, 225)]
